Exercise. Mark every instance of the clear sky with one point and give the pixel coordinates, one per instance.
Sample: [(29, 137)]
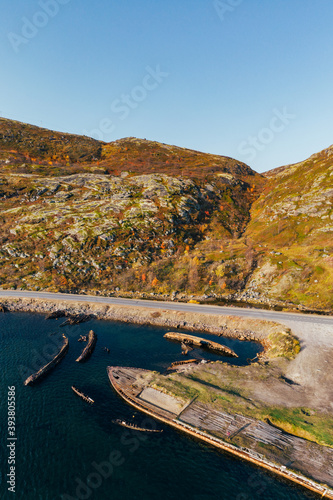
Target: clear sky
[(250, 79)]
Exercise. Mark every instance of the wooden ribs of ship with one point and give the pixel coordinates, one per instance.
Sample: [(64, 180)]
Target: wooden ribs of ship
[(134, 427), (88, 350), (45, 369), (76, 319), (72, 319), (82, 395), (183, 338), (186, 362), (186, 349)]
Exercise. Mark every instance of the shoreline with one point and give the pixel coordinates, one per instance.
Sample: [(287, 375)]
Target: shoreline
[(240, 328), (231, 326)]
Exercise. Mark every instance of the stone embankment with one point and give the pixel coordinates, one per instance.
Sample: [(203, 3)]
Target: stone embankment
[(226, 326)]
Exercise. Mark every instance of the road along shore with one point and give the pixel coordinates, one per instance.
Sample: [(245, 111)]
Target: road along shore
[(241, 328), (159, 314)]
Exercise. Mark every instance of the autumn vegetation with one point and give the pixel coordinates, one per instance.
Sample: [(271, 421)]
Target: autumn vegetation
[(140, 217)]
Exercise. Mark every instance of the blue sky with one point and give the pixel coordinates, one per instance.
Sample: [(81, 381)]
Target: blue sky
[(250, 79)]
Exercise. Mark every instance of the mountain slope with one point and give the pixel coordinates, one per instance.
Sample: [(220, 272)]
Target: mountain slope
[(22, 142), (140, 217), (125, 221), (292, 220)]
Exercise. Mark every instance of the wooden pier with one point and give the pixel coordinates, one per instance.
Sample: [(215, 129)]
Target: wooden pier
[(208, 425), (190, 340), (88, 350), (45, 369)]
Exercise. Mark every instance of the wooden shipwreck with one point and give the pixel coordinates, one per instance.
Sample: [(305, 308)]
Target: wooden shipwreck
[(199, 421), (134, 426), (200, 342), (45, 369), (88, 350), (181, 363), (83, 396)]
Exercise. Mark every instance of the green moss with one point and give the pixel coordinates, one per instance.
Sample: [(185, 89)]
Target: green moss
[(283, 344), (303, 422)]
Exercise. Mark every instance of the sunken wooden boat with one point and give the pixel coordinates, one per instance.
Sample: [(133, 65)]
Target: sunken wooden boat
[(200, 342), (134, 427), (75, 319), (185, 362), (72, 319), (83, 396), (88, 350), (45, 369)]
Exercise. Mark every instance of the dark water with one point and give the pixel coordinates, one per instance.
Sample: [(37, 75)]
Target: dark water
[(62, 441)]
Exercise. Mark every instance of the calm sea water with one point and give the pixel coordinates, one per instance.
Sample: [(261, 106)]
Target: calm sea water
[(68, 449)]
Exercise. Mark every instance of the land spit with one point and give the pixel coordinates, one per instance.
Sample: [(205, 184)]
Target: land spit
[(208, 425), (45, 369)]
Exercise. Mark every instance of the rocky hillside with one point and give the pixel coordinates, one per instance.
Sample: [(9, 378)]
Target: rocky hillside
[(291, 228), (140, 217), (128, 221), (23, 143)]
